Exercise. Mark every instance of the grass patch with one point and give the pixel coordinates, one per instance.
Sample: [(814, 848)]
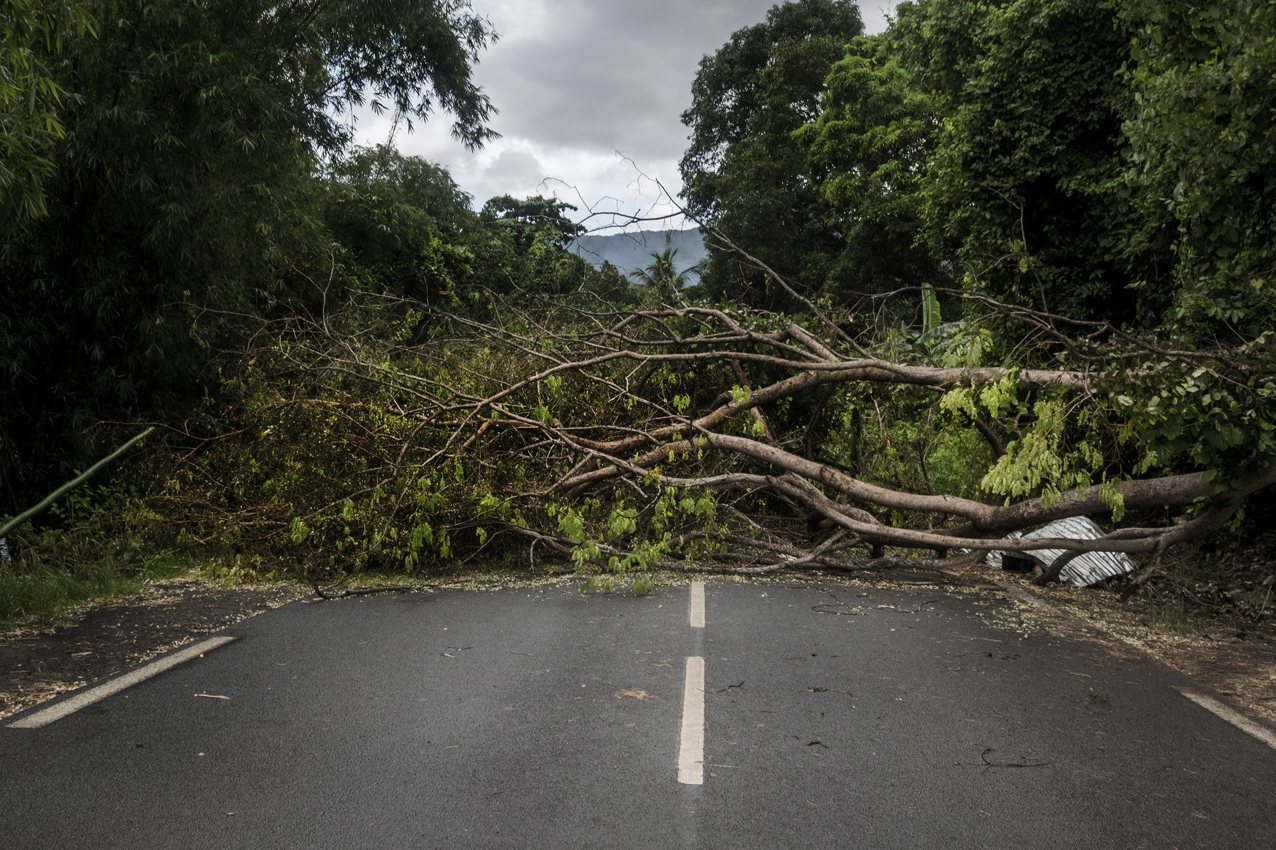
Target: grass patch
[(1173, 617), (43, 595), (40, 585)]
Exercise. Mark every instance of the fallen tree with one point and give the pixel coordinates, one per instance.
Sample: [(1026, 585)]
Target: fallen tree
[(697, 437)]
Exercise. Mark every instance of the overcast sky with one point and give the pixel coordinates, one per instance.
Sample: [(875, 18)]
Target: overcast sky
[(589, 93)]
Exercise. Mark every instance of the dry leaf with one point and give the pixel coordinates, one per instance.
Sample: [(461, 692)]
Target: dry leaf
[(628, 693)]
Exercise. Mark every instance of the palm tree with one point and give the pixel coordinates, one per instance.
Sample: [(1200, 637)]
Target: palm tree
[(662, 276)]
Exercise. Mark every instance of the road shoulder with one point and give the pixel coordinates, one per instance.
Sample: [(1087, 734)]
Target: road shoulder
[(107, 637)]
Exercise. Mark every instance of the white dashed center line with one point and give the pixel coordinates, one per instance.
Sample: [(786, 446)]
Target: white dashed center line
[(697, 605), (691, 753)]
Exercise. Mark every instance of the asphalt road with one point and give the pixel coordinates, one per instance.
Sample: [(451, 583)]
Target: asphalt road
[(545, 718)]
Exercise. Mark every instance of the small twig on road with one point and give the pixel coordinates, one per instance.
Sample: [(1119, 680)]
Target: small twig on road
[(828, 607), (823, 608), (724, 690), (989, 765)]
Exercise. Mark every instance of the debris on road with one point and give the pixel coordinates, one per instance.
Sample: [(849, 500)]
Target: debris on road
[(625, 692), (1084, 570)]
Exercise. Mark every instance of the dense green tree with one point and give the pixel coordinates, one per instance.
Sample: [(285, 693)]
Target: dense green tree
[(1202, 176), (184, 197), (1202, 135), (1071, 185), (986, 140), (412, 181), (1027, 175), (868, 153), (403, 220), (743, 172), (532, 216), (31, 36), (523, 248)]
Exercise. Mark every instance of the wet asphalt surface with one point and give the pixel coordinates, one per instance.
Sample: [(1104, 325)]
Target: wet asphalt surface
[(545, 718)]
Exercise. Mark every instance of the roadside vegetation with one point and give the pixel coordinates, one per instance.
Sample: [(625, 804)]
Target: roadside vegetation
[(1002, 264), (86, 555)]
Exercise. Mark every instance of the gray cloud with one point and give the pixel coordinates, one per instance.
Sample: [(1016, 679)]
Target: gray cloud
[(577, 80), (514, 167), (610, 74)]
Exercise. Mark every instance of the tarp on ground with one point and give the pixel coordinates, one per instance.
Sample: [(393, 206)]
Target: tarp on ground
[(1085, 569)]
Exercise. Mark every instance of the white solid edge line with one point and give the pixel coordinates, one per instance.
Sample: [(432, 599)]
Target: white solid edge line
[(691, 752), (697, 605), (79, 701), (1238, 720)]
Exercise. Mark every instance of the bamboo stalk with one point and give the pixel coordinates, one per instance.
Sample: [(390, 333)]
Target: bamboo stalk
[(70, 485)]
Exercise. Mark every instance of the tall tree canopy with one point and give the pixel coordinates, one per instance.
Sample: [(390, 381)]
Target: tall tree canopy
[(985, 140), (32, 36), (1027, 177), (403, 220), (525, 219), (1202, 137), (743, 172), (524, 248), (183, 192), (867, 154)]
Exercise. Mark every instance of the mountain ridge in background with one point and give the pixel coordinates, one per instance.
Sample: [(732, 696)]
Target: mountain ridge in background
[(631, 251)]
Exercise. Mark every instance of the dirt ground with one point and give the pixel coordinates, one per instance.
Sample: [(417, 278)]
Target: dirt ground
[(1232, 656)]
